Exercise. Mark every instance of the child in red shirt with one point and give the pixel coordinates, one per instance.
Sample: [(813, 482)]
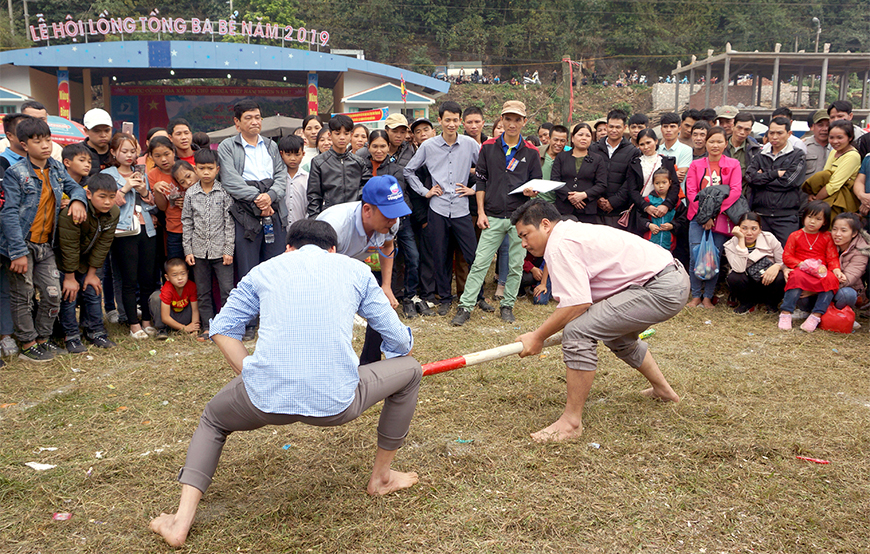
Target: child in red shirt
[(175, 305), (814, 266)]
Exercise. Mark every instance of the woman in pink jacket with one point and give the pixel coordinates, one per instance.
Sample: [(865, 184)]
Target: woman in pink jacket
[(715, 169)]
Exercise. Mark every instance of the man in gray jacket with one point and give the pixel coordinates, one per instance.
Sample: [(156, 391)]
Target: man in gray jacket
[(254, 175)]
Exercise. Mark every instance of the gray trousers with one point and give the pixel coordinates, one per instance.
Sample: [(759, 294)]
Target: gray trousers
[(203, 270), (618, 320), (184, 317), (395, 381), (42, 275)]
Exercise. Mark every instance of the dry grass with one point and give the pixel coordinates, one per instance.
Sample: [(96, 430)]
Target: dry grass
[(715, 473)]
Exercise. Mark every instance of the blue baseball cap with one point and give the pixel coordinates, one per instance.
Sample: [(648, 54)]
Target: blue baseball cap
[(385, 193)]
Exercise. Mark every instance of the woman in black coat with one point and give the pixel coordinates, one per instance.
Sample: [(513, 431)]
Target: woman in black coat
[(584, 175), (639, 180)]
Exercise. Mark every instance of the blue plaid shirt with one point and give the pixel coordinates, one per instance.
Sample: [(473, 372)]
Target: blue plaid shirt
[(304, 363)]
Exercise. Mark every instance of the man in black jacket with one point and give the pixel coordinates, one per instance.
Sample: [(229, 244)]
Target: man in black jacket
[(337, 176), (775, 177), (618, 152), (503, 165)]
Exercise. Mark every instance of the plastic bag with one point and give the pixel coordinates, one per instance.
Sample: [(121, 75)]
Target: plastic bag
[(814, 267), (706, 258)]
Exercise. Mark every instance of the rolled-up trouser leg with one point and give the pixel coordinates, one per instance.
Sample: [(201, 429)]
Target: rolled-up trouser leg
[(396, 381)]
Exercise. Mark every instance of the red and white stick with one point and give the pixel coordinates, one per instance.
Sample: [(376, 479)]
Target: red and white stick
[(483, 356)]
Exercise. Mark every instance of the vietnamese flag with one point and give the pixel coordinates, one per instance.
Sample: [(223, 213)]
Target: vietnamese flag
[(152, 113)]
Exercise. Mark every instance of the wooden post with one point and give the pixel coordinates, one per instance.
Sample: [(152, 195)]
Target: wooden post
[(775, 90), (677, 93), (727, 78), (844, 86), (800, 90), (823, 84), (864, 102), (566, 98), (707, 83), (107, 95), (86, 88), (691, 83)]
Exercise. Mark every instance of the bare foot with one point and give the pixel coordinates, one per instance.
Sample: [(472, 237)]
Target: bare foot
[(173, 532), (707, 303), (559, 430), (396, 481), (667, 395), (694, 303)]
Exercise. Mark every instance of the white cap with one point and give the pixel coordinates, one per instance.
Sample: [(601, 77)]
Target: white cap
[(96, 117)]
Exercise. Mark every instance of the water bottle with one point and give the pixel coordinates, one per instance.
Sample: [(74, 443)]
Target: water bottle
[(268, 230)]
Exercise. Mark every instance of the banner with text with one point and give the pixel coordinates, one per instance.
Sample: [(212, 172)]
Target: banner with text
[(63, 93)]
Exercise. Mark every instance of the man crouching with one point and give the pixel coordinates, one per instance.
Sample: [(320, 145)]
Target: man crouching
[(612, 285), (304, 368)]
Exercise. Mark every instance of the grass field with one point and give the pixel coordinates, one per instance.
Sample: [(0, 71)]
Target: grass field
[(715, 473)]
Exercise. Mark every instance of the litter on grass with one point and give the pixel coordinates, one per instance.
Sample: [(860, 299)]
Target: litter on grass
[(61, 516), (814, 460), (38, 466), (47, 449), (464, 441), (287, 446), (594, 445)]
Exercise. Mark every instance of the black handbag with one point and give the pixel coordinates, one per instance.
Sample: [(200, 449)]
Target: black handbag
[(756, 270)]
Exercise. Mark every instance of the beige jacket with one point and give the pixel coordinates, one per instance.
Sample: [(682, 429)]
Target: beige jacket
[(766, 246)]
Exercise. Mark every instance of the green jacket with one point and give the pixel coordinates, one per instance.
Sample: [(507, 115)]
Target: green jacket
[(84, 246)]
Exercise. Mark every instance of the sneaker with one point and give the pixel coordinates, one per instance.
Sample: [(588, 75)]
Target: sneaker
[(112, 316), (162, 334), (250, 334), (204, 336), (36, 354), (8, 347), (485, 306), (2, 363), (856, 326), (744, 309), (103, 342), (462, 315), (785, 321), (139, 335), (422, 307), (811, 323), (444, 308), (75, 346), (408, 309), (507, 314), (52, 348), (152, 331)]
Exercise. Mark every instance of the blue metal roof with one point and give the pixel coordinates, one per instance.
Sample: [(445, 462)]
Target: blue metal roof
[(6, 94), (144, 60)]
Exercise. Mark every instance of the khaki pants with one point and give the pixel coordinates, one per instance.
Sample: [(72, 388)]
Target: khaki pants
[(395, 381)]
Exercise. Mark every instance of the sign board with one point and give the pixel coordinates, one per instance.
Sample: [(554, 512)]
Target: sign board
[(368, 116), (63, 93), (104, 27)]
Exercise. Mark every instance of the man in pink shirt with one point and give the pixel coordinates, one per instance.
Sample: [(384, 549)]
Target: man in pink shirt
[(611, 286)]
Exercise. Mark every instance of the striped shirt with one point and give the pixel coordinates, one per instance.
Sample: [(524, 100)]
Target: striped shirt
[(208, 230), (304, 363)]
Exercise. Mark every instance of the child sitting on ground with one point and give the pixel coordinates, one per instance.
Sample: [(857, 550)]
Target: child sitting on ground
[(814, 266), (208, 235), (535, 280), (175, 304), (32, 189), (662, 230), (82, 250)]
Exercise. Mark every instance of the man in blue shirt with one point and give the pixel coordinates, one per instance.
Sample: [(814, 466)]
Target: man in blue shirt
[(304, 368)]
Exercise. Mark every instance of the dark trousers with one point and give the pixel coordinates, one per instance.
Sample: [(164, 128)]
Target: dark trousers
[(439, 230), (427, 264), (781, 226), (91, 312), (135, 259), (749, 292), (174, 246), (408, 249), (371, 350), (204, 271), (249, 253)]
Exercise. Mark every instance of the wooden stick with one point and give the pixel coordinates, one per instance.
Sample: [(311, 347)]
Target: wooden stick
[(483, 356)]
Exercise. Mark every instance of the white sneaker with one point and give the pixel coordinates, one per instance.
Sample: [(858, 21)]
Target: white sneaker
[(112, 316), (856, 326), (152, 331), (139, 335), (8, 347)]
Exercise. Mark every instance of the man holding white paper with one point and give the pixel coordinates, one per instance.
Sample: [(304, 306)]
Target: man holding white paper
[(502, 165)]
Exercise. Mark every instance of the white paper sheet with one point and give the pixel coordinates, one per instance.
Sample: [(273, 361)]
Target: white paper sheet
[(538, 185)]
